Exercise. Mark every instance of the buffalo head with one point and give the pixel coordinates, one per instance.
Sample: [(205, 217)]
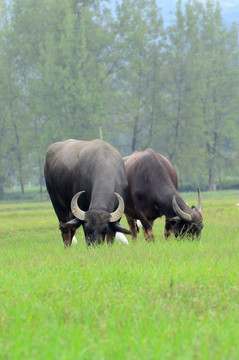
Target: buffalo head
[(187, 223), (97, 223)]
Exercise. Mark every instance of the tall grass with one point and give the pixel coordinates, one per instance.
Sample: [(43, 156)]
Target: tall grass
[(163, 300)]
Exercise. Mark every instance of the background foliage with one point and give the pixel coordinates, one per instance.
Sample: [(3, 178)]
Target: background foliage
[(74, 69)]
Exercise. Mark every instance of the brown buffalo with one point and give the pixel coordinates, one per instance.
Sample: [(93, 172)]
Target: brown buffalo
[(153, 192)]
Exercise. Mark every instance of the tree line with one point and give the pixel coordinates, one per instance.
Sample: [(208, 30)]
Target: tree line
[(72, 69)]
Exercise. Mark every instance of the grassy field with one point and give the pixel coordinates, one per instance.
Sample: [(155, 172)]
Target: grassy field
[(165, 300)]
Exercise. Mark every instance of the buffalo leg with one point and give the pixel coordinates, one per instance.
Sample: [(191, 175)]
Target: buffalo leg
[(64, 216), (132, 226), (110, 236), (67, 235), (148, 231), (147, 227)]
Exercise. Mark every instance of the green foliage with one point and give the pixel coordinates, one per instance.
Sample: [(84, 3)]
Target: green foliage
[(168, 299), (71, 69), (141, 35), (199, 113)]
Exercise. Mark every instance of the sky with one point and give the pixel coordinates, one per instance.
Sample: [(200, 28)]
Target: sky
[(230, 9)]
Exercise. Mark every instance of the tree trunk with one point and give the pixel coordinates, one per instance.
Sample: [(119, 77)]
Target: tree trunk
[(1, 192), (19, 161), (153, 105), (137, 116), (100, 130), (220, 177), (41, 186), (2, 173), (41, 176), (135, 132), (212, 185)]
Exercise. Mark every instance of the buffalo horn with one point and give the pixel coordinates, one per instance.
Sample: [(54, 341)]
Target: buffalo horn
[(199, 201), (76, 211), (116, 215), (182, 214)]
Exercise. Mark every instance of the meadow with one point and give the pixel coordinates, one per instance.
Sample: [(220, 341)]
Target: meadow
[(174, 299)]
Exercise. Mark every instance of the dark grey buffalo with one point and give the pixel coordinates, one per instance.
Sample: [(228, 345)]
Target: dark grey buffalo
[(87, 184), (153, 192)]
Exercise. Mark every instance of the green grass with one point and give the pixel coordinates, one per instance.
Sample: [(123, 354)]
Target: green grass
[(166, 300)]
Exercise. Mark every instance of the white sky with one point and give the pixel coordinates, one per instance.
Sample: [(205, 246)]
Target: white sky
[(221, 2)]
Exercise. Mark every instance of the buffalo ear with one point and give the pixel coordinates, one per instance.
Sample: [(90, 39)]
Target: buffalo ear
[(173, 220), (116, 226), (72, 224)]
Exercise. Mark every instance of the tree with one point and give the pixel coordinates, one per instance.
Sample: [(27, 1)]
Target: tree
[(140, 35), (71, 69), (199, 92), (13, 108), (56, 76), (218, 85)]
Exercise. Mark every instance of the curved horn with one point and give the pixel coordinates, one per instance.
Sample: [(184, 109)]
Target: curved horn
[(182, 214), (116, 215), (79, 214), (199, 201)]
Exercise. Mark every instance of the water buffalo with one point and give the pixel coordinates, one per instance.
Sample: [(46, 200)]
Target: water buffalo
[(87, 185), (153, 192)]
